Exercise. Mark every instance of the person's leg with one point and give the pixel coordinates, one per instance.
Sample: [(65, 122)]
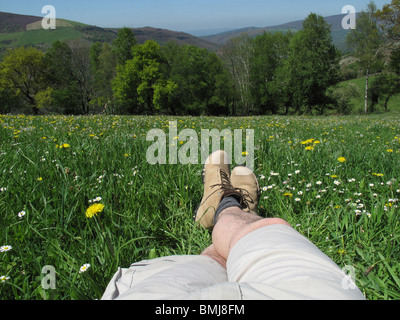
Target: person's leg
[(233, 224), (165, 278)]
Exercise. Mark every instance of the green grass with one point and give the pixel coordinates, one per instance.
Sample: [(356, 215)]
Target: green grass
[(359, 102), (39, 36), (148, 209)]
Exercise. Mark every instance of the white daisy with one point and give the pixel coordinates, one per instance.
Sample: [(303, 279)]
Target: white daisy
[(5, 248), (21, 214), (84, 268)]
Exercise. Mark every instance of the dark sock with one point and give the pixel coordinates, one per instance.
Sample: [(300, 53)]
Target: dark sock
[(226, 203)]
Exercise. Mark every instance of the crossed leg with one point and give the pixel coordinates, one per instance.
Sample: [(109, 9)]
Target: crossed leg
[(232, 225)]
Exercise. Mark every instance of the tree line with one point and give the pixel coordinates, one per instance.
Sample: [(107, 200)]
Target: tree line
[(273, 73)]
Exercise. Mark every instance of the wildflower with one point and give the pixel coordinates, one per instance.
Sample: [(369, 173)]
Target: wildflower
[(64, 146), (245, 153), (319, 182), (94, 209), (3, 189), (84, 268), (389, 150), (97, 199), (5, 248), (39, 179), (309, 148), (342, 159), (21, 214), (337, 182), (297, 199), (378, 174), (287, 194), (4, 278)]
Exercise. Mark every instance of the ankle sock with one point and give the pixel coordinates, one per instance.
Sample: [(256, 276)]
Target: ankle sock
[(226, 203)]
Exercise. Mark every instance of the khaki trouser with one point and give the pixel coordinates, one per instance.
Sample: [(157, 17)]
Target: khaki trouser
[(275, 262)]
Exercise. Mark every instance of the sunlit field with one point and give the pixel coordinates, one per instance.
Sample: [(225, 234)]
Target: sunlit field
[(78, 194)]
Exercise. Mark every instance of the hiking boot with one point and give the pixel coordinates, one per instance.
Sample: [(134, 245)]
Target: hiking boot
[(216, 181), (244, 179)]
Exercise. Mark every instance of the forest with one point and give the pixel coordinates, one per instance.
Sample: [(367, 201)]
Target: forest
[(273, 73)]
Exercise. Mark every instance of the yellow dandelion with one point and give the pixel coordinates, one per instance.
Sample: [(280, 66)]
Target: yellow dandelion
[(64, 146), (245, 153), (378, 174), (94, 210), (389, 150), (309, 148), (342, 159)]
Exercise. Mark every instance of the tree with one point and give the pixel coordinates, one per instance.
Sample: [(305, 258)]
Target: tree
[(237, 54), (123, 45), (60, 75), (312, 65), (390, 18), (71, 75), (139, 81), (366, 41), (383, 87), (203, 85), (23, 72), (270, 52), (104, 63)]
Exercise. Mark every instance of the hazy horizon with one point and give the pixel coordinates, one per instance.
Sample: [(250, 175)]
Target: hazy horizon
[(180, 15)]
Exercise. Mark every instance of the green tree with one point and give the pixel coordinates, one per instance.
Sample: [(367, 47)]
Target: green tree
[(139, 78), (204, 86), (312, 65), (60, 74), (71, 75), (366, 41), (23, 71), (123, 45), (104, 64), (383, 87), (389, 17), (270, 53)]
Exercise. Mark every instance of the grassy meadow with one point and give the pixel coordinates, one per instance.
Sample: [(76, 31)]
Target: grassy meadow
[(335, 179)]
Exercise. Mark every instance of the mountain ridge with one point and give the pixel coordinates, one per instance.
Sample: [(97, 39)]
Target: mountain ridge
[(19, 30), (335, 21)]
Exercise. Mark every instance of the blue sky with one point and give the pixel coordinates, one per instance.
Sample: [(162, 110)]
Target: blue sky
[(185, 15)]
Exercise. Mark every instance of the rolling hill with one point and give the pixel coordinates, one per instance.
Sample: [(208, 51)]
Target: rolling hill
[(22, 30), (335, 21)]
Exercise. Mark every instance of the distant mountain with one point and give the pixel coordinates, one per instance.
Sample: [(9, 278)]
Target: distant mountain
[(22, 30), (335, 21)]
